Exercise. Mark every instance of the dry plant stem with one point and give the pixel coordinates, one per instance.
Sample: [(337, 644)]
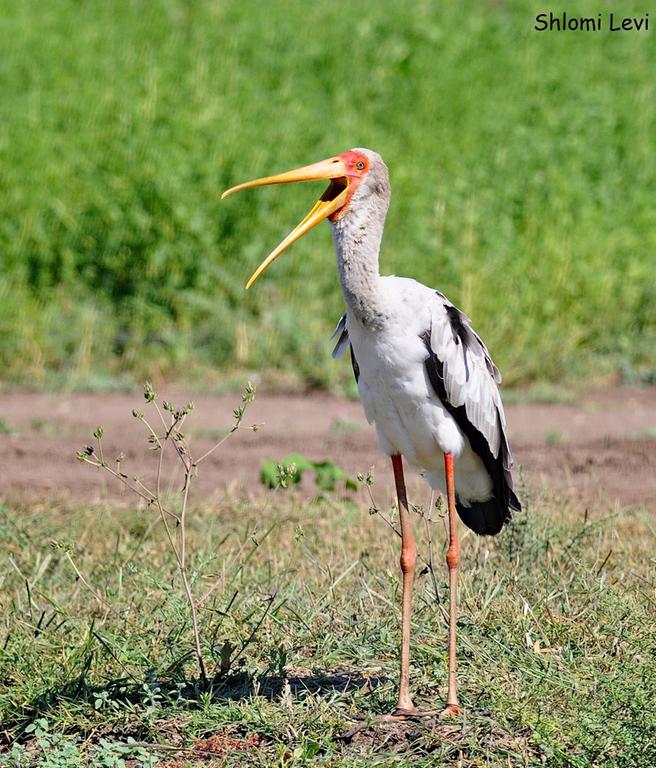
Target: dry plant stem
[(95, 592), (187, 586), (100, 600), (180, 554), (429, 542), (147, 495), (102, 465), (218, 445), (168, 431)]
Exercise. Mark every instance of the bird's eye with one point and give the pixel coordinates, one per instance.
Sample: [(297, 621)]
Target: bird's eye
[(359, 165)]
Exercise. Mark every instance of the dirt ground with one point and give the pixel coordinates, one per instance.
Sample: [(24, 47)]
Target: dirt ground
[(604, 446)]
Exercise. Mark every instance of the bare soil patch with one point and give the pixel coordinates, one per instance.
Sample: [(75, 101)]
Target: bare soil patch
[(601, 447)]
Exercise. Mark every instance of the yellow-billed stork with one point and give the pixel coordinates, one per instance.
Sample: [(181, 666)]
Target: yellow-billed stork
[(425, 377)]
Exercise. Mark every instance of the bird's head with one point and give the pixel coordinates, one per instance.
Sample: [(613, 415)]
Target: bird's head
[(354, 177)]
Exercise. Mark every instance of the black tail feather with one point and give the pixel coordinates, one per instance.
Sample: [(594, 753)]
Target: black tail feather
[(487, 518)]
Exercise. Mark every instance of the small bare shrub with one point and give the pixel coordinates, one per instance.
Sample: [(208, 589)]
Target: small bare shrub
[(165, 433)]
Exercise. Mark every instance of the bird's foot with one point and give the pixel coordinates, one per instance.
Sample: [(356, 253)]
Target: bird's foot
[(408, 714), (451, 710), (404, 714)]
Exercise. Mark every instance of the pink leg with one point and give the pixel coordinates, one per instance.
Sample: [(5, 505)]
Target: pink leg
[(408, 564), (452, 560)]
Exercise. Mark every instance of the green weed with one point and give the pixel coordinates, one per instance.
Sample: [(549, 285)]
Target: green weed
[(290, 470)]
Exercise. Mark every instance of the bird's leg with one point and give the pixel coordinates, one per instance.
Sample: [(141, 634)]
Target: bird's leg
[(452, 560), (408, 563)]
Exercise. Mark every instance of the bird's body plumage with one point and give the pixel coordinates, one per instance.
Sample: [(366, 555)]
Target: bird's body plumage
[(400, 399)]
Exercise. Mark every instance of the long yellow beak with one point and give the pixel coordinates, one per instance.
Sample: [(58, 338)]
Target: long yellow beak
[(331, 200)]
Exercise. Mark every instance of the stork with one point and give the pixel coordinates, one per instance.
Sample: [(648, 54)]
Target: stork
[(425, 377)]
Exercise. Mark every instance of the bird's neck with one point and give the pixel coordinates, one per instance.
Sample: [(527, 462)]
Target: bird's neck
[(357, 237)]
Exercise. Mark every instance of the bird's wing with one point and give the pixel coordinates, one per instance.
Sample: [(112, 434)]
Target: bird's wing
[(467, 378), (466, 381), (341, 332)]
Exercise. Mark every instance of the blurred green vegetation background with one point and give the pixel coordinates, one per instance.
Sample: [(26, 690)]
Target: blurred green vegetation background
[(522, 166)]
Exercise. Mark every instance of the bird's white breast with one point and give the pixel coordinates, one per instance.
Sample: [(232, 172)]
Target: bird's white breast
[(394, 387)]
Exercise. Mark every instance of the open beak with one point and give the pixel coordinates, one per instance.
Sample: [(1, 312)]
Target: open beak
[(330, 202)]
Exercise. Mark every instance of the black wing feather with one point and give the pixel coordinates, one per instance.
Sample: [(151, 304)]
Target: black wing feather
[(356, 367), (483, 517), (342, 331)]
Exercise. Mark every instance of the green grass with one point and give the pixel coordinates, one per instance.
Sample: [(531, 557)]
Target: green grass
[(556, 639), (521, 162)]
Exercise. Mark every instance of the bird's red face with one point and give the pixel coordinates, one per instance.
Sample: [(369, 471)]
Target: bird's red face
[(345, 172), (356, 165)]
